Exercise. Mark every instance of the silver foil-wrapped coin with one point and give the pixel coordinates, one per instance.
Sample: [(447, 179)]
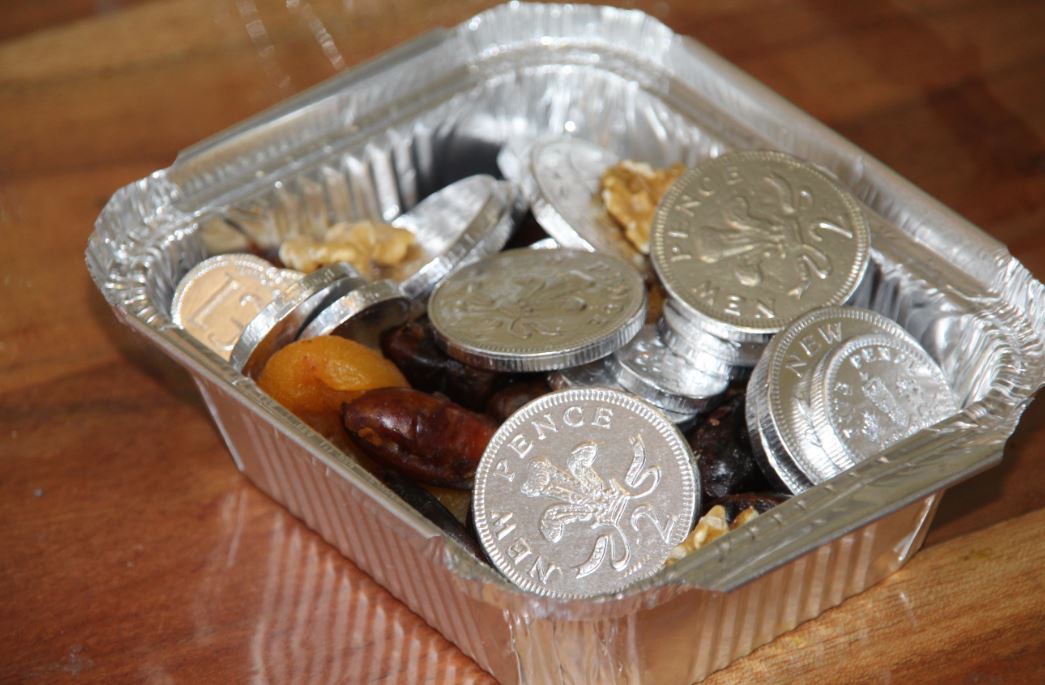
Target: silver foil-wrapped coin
[(286, 316), (218, 297), (748, 241), (461, 223), (363, 314), (778, 411), (566, 174), (687, 339), (584, 492), (872, 392), (538, 310), (596, 374), (646, 367), (602, 373)]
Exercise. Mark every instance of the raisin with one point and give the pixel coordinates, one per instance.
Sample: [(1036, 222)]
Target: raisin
[(507, 400), (723, 450)]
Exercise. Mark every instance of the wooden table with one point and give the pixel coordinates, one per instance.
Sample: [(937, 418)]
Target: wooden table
[(131, 550)]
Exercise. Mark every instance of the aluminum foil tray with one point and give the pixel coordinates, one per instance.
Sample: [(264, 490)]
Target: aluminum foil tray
[(374, 141)]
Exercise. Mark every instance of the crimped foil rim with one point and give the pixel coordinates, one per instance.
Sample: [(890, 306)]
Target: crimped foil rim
[(128, 235)]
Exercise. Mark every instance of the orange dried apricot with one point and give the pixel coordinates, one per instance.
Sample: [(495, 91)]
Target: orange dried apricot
[(313, 378)]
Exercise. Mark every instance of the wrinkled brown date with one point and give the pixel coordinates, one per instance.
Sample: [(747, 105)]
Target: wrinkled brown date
[(413, 349), (507, 400), (759, 501), (425, 437), (723, 450)]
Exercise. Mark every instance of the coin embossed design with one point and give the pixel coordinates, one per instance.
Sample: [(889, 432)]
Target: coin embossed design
[(874, 391), (779, 414), (218, 297), (538, 310), (584, 492), (750, 240)]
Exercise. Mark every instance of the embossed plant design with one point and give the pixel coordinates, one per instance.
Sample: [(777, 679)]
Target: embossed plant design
[(542, 305), (584, 497), (779, 243)]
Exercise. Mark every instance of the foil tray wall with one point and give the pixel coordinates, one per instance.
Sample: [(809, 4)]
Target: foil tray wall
[(374, 141)]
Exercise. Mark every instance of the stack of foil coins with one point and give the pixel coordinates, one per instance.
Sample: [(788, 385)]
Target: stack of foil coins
[(744, 244), (839, 385)]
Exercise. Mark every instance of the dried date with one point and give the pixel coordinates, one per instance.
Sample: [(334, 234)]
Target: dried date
[(507, 400), (425, 437), (413, 349)]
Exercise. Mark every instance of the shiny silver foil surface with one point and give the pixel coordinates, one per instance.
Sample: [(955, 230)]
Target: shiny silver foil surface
[(374, 141)]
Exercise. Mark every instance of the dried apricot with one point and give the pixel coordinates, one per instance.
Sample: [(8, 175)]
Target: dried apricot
[(313, 378)]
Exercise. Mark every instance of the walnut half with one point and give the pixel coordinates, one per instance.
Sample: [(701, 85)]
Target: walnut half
[(711, 526), (630, 191), (368, 246)]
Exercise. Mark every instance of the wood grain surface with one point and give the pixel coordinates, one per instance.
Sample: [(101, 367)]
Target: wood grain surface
[(131, 550)]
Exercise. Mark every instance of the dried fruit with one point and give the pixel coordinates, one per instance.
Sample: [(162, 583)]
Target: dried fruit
[(413, 349), (723, 450), (313, 378), (630, 191), (655, 297), (425, 437), (507, 400), (367, 245)]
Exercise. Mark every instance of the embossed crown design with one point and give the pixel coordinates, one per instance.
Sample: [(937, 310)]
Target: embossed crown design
[(779, 243), (884, 400)]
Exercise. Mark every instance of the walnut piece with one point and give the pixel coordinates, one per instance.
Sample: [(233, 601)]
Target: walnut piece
[(630, 191), (367, 245), (711, 526)]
